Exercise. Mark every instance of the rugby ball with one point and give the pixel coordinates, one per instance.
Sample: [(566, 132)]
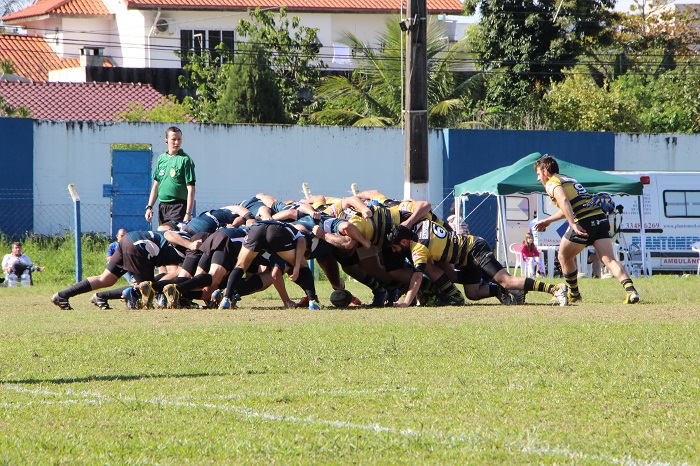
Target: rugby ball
[(341, 298)]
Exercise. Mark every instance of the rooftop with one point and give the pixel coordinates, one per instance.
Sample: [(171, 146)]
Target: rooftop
[(78, 101), (60, 7), (32, 57)]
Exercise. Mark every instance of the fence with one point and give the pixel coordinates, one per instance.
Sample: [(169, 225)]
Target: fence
[(19, 217)]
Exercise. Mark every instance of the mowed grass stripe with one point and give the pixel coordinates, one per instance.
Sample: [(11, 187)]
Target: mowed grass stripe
[(529, 447), (481, 384)]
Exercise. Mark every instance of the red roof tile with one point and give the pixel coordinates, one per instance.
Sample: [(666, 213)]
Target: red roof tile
[(434, 6), (78, 101), (60, 7), (32, 57)]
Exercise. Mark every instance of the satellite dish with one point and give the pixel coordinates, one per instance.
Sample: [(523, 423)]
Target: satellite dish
[(162, 25)]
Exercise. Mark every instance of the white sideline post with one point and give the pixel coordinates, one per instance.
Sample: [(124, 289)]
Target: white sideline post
[(78, 234)]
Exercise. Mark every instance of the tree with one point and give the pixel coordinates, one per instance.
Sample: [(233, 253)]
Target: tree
[(252, 94), (666, 103), (373, 95), (525, 43), (578, 103), (293, 52), (168, 111), (7, 110), (208, 81), (7, 66)]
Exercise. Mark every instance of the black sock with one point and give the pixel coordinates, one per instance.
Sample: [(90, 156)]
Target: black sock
[(160, 284), (115, 293), (198, 282), (234, 282), (306, 281), (251, 285), (79, 288), (493, 289)]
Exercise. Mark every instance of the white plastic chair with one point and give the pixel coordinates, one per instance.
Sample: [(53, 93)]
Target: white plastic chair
[(696, 247), (634, 257), (515, 249)]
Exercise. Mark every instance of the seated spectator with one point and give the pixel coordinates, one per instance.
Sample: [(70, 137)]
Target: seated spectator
[(17, 262), (531, 256)]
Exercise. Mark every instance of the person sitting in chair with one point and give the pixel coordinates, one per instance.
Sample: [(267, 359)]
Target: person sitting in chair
[(531, 256), (17, 262)]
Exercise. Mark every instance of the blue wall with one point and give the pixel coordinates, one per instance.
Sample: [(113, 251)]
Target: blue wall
[(16, 190), (470, 153)]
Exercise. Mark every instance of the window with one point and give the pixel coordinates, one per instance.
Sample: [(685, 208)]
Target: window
[(517, 208), (682, 203), (197, 40)]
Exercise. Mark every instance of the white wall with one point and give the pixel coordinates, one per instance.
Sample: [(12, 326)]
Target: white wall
[(233, 163), (657, 152)]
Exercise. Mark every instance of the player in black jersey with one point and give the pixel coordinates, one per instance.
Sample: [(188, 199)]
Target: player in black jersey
[(138, 252), (279, 238)]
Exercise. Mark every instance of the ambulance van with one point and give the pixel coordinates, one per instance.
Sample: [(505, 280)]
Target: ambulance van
[(671, 202)]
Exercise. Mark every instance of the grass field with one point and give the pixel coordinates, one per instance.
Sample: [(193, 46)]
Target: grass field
[(597, 383)]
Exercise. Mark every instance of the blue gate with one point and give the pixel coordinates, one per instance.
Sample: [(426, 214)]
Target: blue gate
[(131, 185)]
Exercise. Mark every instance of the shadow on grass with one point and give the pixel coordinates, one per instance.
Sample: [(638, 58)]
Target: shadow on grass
[(110, 378)]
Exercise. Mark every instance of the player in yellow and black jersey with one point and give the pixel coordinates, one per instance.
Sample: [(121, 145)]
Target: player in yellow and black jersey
[(588, 225), (406, 211), (429, 243)]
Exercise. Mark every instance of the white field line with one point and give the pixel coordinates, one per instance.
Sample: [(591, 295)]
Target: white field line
[(530, 446)]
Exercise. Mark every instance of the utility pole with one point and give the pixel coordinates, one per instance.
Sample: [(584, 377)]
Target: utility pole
[(416, 103)]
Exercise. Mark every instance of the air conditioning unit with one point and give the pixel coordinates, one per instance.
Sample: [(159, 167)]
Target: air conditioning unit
[(162, 26)]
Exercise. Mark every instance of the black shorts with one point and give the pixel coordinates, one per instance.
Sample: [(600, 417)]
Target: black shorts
[(270, 237), (480, 259), (221, 250), (171, 212), (597, 227), (129, 258)]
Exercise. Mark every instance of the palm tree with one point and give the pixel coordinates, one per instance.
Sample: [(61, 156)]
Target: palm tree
[(373, 95)]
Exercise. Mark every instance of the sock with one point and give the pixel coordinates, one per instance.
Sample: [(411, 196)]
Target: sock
[(81, 287), (251, 285), (448, 289), (539, 285), (628, 285), (372, 283), (493, 290), (572, 282), (112, 294), (199, 281), (160, 284), (306, 281), (197, 294), (234, 282)]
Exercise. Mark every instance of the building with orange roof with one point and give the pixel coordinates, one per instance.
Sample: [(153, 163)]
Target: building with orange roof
[(149, 33)]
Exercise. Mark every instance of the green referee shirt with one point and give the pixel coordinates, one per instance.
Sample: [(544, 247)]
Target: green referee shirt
[(173, 174)]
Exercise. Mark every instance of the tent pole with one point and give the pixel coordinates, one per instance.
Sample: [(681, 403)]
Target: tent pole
[(642, 232), (502, 235), (458, 212)]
